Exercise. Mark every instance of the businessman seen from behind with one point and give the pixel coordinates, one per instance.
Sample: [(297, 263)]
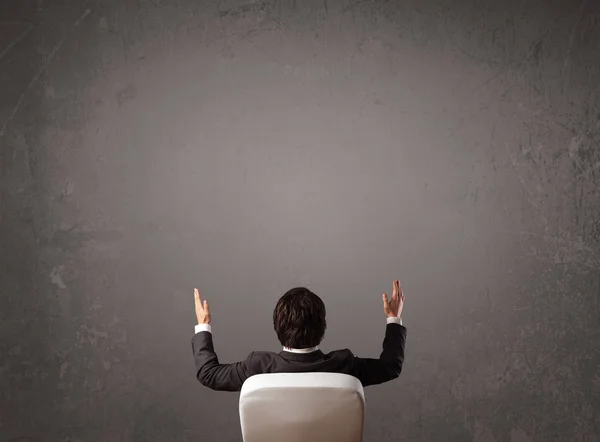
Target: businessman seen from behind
[(299, 321)]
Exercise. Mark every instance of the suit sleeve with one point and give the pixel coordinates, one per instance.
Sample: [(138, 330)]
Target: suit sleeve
[(211, 373), (372, 371)]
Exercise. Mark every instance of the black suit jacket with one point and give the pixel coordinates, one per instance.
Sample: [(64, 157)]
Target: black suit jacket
[(230, 377)]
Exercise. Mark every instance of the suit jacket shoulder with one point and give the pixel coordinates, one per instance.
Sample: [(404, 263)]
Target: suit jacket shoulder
[(260, 362)]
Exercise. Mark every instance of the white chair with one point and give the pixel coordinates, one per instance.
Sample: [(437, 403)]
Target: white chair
[(302, 407)]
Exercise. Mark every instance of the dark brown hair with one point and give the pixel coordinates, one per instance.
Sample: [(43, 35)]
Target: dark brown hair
[(299, 319)]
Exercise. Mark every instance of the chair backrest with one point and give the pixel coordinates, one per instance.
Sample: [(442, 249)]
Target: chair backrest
[(302, 407)]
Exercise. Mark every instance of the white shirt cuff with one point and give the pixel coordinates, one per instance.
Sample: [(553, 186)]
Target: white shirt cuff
[(203, 327), (394, 321)]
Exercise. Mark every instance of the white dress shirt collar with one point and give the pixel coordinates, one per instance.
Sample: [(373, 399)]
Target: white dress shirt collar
[(300, 350)]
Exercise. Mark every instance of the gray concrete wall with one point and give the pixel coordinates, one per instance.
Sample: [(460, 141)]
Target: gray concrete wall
[(246, 148)]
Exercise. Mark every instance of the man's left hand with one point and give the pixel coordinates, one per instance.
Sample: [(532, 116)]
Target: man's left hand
[(202, 309)]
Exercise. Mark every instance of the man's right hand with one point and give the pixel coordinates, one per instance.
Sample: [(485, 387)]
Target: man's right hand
[(393, 308)]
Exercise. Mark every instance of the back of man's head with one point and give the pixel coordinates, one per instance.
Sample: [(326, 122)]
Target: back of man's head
[(299, 319)]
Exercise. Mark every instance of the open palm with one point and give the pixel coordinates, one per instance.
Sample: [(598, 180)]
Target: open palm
[(202, 308), (393, 307)]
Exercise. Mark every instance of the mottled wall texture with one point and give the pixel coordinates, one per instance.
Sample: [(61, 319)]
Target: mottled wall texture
[(147, 147)]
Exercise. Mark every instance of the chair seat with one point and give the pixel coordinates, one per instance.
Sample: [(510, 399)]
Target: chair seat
[(302, 407)]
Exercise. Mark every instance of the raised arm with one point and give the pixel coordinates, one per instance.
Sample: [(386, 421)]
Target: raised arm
[(211, 373), (388, 366)]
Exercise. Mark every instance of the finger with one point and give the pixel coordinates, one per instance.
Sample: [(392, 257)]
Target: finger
[(395, 288), (198, 299), (206, 308), (386, 302), (400, 290)]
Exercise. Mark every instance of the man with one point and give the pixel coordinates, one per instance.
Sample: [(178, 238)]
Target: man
[(299, 321)]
